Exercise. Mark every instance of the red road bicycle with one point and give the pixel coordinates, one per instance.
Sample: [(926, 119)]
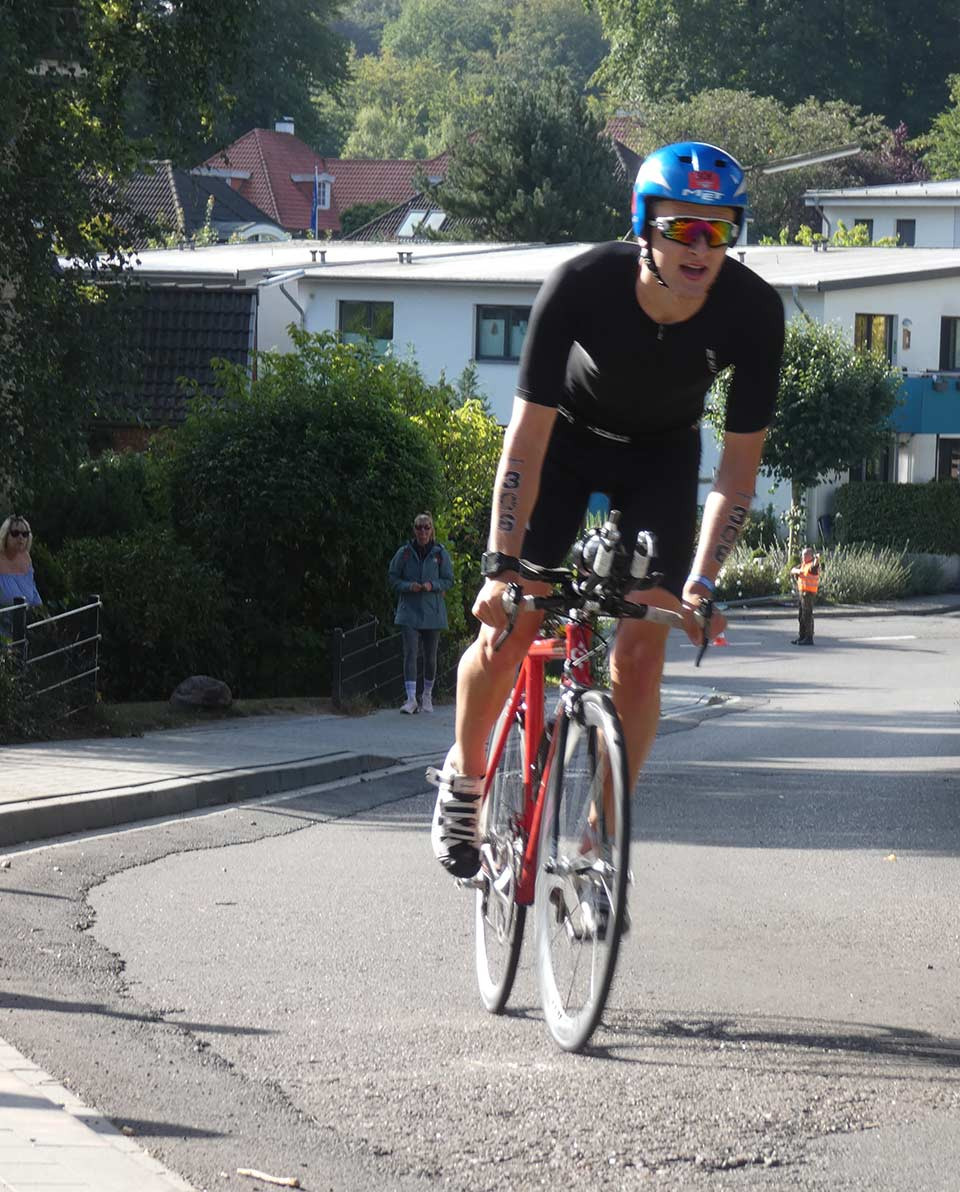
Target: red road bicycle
[(555, 820)]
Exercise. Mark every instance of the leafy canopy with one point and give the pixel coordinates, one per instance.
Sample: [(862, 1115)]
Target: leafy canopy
[(436, 63), (885, 56), (540, 168), (941, 146)]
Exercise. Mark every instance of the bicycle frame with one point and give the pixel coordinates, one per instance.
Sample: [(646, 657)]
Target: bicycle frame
[(529, 690)]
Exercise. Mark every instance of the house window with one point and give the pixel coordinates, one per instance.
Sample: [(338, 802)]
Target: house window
[(948, 459), (501, 331), (874, 333), (907, 232), (361, 321), (865, 223), (950, 344), (323, 196), (879, 466)]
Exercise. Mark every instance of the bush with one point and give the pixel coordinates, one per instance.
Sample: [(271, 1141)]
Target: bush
[(916, 517), (116, 493), (862, 574), (164, 613), (298, 487), (749, 573)]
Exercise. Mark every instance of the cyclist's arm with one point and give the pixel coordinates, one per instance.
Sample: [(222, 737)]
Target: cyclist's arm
[(724, 514), (514, 495)]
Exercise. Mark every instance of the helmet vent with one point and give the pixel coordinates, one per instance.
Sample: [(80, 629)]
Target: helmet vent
[(688, 159), (720, 164)]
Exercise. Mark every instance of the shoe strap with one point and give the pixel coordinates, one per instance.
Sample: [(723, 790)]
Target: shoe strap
[(457, 784)]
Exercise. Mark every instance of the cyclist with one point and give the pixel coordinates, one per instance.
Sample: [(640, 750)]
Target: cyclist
[(621, 349)]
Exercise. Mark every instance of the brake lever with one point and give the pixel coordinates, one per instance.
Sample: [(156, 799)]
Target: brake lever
[(511, 605), (704, 613)]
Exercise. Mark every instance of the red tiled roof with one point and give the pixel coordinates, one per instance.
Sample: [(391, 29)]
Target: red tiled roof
[(625, 129), (271, 158)]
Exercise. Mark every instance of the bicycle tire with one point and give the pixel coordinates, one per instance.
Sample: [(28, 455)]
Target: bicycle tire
[(582, 870), (499, 920)]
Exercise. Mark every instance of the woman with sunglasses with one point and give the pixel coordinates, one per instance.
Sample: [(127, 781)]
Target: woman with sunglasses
[(622, 346), (16, 567)]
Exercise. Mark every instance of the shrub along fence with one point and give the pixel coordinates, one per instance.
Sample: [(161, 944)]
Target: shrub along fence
[(57, 657)]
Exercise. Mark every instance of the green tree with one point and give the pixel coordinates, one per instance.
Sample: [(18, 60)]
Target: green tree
[(941, 146), (885, 56), (756, 130), (290, 58), (447, 32), (405, 107), (833, 407), (362, 22), (546, 35), (540, 168), (70, 75)]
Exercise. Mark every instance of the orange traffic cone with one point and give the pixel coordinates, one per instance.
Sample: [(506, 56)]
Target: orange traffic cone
[(721, 640)]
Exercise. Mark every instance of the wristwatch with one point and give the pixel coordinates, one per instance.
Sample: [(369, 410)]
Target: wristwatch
[(494, 563)]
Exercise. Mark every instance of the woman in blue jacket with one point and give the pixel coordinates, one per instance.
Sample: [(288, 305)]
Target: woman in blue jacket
[(420, 572)]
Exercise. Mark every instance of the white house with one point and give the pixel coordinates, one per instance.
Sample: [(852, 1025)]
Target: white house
[(450, 305), (918, 214)]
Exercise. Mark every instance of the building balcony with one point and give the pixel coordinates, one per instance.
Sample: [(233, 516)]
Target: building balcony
[(930, 405)]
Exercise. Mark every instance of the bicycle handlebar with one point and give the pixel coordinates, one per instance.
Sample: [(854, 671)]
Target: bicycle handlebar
[(598, 585)]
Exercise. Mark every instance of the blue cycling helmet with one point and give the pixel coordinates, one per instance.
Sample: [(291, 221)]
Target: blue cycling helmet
[(691, 172)]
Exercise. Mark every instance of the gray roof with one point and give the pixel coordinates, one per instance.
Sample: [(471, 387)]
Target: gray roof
[(518, 264), (947, 191), (848, 268)]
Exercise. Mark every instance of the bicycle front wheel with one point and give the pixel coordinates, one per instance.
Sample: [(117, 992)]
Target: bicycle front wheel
[(582, 869), (499, 920)]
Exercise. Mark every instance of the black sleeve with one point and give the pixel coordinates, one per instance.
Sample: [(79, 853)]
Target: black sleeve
[(549, 338), (756, 373)]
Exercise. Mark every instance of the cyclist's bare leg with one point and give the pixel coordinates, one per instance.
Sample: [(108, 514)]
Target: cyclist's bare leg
[(636, 668), (484, 679)]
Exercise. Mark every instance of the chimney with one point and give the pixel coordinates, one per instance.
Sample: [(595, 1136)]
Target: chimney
[(284, 124)]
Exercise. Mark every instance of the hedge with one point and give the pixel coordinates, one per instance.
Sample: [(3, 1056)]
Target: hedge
[(923, 518)]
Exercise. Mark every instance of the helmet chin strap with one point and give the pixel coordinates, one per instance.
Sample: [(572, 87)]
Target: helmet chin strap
[(646, 255)]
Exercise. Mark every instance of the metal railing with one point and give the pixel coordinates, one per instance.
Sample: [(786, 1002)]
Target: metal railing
[(361, 665), (56, 654)]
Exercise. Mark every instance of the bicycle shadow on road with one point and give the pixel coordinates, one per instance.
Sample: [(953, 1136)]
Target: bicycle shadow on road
[(48, 1005), (816, 1044)]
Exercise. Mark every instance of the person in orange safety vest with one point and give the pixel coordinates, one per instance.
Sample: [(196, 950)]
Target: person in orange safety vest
[(807, 577)]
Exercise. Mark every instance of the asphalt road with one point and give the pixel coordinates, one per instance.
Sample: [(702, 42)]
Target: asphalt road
[(289, 987)]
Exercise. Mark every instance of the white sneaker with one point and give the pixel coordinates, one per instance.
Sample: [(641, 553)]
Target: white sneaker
[(426, 704), (410, 706), (454, 835)]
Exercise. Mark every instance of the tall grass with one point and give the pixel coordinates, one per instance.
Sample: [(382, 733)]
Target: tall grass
[(861, 574)]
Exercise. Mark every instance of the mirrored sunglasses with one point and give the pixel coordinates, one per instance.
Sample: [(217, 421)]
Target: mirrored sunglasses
[(685, 229)]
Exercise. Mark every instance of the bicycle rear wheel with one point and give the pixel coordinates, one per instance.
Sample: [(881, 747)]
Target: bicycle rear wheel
[(499, 920), (582, 869)]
